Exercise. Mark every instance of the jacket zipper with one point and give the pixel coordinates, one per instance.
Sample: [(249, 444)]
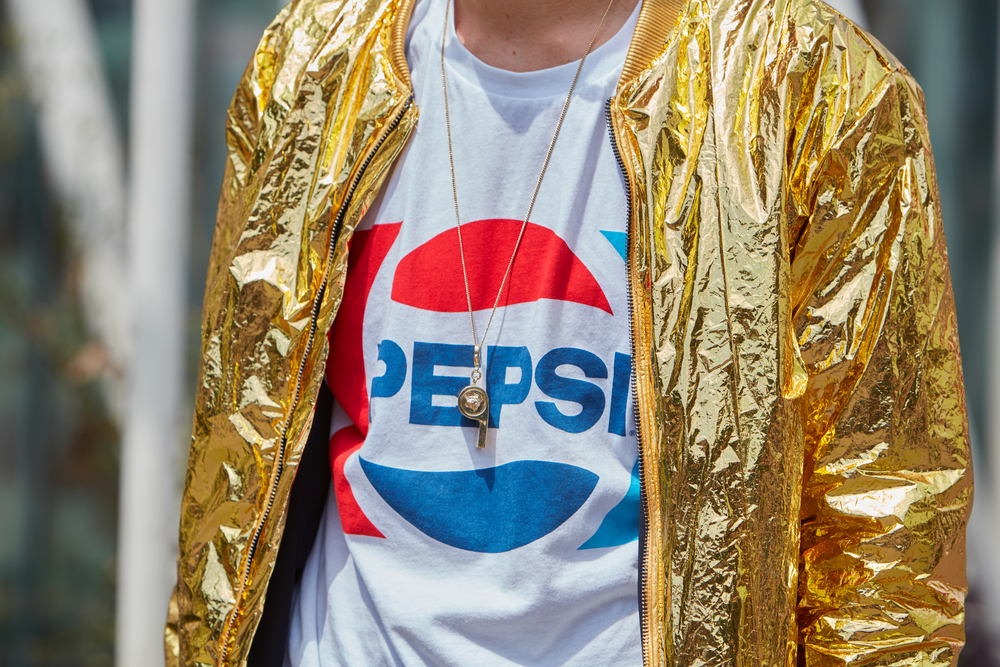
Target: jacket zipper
[(314, 315), (644, 528)]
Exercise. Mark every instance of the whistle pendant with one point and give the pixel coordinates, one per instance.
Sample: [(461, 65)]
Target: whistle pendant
[(474, 403)]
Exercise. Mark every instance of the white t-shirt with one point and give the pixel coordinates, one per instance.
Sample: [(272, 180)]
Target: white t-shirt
[(432, 551)]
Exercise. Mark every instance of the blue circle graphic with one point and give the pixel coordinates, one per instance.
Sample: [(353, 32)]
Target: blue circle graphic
[(490, 510)]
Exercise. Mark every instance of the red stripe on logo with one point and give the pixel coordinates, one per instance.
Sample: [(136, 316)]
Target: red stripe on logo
[(430, 277)]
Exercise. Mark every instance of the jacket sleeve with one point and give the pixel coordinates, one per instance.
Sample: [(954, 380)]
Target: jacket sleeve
[(243, 128), (887, 480)]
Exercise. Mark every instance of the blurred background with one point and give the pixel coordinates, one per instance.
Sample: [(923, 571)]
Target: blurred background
[(112, 147)]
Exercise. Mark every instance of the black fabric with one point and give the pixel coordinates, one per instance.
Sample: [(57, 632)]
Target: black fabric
[(305, 509)]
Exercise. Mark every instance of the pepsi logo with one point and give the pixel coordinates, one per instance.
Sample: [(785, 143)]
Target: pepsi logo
[(410, 378)]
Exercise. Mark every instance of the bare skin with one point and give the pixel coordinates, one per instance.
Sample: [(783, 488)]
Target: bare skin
[(529, 35)]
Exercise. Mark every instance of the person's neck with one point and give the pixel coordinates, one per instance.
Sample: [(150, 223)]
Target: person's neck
[(529, 35)]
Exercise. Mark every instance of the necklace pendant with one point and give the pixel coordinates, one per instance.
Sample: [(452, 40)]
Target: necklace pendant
[(474, 403)]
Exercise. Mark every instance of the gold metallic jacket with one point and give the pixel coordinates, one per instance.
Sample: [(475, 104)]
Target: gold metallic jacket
[(805, 475)]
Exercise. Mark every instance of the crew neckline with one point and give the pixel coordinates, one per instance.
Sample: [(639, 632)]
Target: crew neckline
[(606, 60)]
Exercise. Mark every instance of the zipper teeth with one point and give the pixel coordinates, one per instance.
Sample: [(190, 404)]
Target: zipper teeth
[(296, 395), (644, 556)]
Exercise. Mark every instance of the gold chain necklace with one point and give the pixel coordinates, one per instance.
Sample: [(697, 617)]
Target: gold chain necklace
[(473, 401)]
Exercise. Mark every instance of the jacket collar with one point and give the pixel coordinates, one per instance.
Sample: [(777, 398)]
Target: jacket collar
[(656, 20)]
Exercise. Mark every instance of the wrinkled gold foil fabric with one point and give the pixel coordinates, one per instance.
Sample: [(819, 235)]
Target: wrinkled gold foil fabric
[(806, 470)]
